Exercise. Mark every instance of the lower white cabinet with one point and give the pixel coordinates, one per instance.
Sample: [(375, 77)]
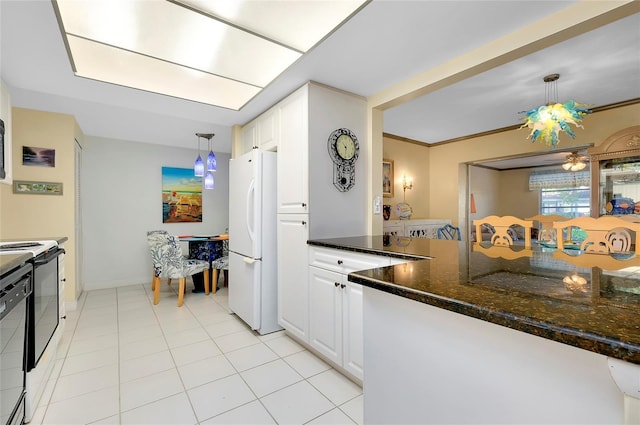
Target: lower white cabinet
[(335, 306), (293, 289)]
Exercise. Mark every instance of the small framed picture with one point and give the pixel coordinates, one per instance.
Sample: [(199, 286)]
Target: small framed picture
[(37, 188), (387, 178), (38, 157)]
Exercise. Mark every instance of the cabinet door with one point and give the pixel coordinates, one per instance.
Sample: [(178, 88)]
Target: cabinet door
[(325, 312), (248, 137), (352, 329), (268, 130), (293, 289), (293, 151)]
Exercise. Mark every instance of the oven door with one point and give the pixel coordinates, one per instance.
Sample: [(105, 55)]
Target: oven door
[(44, 313), (15, 288)]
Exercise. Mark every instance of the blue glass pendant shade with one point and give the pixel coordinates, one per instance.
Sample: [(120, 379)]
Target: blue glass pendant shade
[(198, 167), (208, 180), (211, 162)]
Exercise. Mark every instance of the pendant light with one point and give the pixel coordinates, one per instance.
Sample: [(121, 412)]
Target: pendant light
[(211, 158), (547, 121), (198, 166), (209, 182)]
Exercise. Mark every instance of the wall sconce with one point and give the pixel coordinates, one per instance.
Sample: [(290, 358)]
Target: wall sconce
[(407, 183)]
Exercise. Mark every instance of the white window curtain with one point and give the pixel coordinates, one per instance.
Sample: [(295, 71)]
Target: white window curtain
[(558, 179)]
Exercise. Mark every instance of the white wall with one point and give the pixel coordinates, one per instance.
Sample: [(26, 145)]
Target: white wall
[(121, 190)]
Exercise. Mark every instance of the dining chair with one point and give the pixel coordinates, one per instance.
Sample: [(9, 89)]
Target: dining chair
[(504, 234), (605, 235), (546, 232), (449, 232), (168, 262), (155, 238), (221, 263)]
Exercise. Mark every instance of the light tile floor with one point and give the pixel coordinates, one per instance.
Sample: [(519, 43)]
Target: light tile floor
[(123, 360)]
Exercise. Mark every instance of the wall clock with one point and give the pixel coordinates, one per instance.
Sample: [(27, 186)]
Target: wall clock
[(343, 149)]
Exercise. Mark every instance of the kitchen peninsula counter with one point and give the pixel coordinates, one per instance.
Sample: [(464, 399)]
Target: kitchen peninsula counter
[(520, 294), (515, 293)]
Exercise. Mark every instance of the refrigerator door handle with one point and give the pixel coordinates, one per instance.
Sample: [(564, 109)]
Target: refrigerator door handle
[(249, 210)]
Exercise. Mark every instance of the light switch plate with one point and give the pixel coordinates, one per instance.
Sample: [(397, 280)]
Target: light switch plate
[(377, 205)]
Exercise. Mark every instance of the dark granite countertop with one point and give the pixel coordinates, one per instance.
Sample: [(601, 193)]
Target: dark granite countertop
[(519, 288)]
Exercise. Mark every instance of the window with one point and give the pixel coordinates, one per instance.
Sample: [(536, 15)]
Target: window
[(569, 202), (561, 192)]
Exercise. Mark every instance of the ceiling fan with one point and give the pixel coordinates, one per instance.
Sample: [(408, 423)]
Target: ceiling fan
[(575, 162)]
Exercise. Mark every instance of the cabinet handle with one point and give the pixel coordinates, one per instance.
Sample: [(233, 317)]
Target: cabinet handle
[(336, 283), (343, 286), (64, 280), (339, 261), (304, 205), (304, 222)]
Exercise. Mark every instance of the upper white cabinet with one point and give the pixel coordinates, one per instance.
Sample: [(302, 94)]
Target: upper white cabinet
[(293, 153), (248, 137), (268, 130)]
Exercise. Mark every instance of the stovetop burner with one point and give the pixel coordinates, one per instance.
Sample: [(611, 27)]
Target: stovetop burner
[(33, 247), (18, 245)]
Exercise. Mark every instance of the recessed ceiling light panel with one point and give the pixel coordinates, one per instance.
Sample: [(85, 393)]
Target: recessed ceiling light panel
[(217, 52)]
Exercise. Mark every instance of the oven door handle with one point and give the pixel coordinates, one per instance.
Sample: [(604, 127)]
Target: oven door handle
[(48, 258)]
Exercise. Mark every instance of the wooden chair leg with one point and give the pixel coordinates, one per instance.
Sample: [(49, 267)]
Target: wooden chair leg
[(181, 288), (206, 281), (156, 289), (214, 281), (226, 278)]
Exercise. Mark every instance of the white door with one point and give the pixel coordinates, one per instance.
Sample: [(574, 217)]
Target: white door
[(245, 204), (352, 328), (293, 154), (244, 291), (325, 312), (293, 264)]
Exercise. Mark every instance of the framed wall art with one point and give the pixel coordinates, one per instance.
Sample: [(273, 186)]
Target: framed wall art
[(37, 188), (181, 196), (38, 157), (387, 178)]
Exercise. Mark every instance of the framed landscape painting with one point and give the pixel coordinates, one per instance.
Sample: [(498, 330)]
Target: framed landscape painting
[(181, 196), (387, 178)]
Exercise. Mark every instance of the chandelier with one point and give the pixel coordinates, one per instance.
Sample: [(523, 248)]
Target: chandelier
[(547, 121), (211, 165), (574, 162)]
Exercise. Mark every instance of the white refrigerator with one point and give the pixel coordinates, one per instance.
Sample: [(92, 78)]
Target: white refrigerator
[(252, 240)]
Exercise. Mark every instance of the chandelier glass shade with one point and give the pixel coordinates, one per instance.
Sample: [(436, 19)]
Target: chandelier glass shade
[(198, 166), (547, 121), (211, 165), (574, 162)]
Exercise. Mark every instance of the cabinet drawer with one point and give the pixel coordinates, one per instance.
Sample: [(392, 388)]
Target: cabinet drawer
[(344, 261)]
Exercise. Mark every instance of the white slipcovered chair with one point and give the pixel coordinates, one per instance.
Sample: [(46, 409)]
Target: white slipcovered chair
[(168, 262)]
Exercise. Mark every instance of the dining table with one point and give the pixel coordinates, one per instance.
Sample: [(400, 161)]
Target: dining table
[(207, 248)]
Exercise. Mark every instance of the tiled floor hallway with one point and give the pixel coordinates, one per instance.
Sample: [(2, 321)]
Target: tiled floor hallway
[(123, 360)]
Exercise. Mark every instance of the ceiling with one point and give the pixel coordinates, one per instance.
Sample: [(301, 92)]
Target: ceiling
[(385, 43)]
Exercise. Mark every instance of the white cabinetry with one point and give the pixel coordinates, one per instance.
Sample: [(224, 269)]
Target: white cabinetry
[(268, 130), (263, 132), (293, 154), (293, 295), (335, 306), (306, 192), (248, 137), (422, 228), (62, 280)]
